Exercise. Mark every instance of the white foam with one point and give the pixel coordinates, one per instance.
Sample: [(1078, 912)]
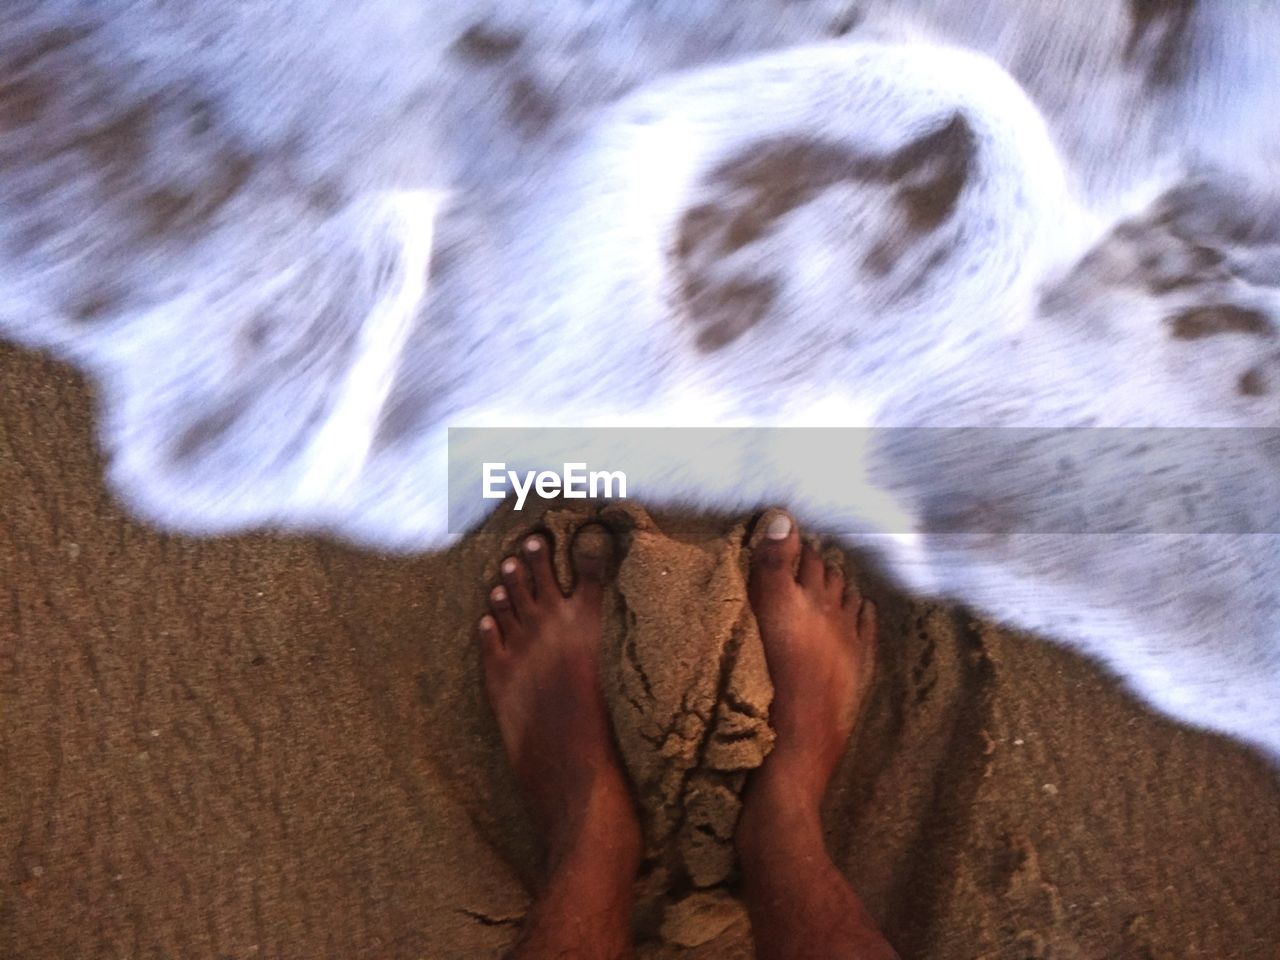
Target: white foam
[(295, 244)]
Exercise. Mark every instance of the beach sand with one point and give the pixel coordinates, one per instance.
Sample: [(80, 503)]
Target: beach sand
[(278, 747)]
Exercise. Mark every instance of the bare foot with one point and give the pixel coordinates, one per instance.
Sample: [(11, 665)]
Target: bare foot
[(541, 653), (819, 641)]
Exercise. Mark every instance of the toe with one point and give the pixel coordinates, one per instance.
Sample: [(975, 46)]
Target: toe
[(494, 656), (812, 573), (851, 596), (592, 553), (491, 644), (773, 558), (538, 557), (500, 607), (515, 577), (835, 583)]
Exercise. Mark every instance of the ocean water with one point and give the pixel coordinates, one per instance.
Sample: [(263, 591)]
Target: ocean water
[(295, 243)]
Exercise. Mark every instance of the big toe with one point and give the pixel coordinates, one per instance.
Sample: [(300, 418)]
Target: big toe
[(773, 558), (593, 556)]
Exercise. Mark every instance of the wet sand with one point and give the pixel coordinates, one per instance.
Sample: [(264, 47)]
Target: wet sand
[(270, 747)]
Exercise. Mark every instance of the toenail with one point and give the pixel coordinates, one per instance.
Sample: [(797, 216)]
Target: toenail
[(779, 527), (533, 544), (498, 594), (508, 566), (487, 623)]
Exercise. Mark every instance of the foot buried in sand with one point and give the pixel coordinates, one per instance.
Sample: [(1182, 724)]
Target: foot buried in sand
[(819, 641), (541, 652)]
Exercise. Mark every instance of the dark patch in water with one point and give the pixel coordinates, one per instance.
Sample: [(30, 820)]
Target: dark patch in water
[(1200, 322)]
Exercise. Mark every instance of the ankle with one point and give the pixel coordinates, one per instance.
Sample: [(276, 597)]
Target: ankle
[(778, 817), (604, 827)]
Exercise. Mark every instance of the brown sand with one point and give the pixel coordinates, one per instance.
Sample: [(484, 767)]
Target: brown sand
[(265, 747)]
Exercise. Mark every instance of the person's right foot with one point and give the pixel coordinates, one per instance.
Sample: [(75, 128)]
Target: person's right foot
[(819, 642)]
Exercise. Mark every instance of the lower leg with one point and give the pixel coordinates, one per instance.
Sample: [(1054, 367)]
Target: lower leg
[(541, 653), (801, 906), (585, 909), (820, 647)]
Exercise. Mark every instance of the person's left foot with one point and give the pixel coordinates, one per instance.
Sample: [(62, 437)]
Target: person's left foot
[(541, 652)]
